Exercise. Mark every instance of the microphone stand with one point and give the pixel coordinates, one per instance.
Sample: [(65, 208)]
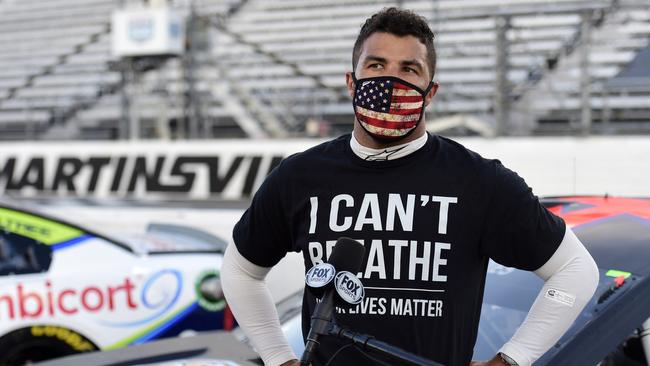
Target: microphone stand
[(368, 342), (319, 327)]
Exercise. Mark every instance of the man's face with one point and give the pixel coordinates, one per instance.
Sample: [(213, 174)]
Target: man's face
[(385, 54)]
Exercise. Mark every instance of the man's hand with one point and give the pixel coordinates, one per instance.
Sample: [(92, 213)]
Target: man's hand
[(495, 361), (293, 362)]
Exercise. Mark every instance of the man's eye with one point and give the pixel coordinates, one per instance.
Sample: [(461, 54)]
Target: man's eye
[(410, 69), (375, 66)]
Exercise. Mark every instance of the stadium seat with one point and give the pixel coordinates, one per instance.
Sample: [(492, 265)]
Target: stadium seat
[(282, 62)]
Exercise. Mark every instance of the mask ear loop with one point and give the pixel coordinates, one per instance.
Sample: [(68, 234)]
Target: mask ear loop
[(424, 96), (431, 85), (426, 91), (356, 82), (354, 96)]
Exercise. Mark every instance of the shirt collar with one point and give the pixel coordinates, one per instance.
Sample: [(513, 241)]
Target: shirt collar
[(389, 153)]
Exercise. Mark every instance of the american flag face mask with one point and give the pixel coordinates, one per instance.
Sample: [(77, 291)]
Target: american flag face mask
[(388, 107)]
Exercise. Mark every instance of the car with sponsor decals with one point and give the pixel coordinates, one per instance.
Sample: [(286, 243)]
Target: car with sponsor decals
[(612, 330), (65, 289)]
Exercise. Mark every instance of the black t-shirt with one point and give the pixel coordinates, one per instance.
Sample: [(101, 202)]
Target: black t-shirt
[(429, 222)]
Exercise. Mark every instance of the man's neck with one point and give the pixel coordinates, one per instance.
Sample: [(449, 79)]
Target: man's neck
[(368, 141), (387, 153)]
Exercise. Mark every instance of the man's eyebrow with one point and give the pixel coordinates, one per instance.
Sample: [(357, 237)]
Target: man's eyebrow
[(374, 58), (412, 62)]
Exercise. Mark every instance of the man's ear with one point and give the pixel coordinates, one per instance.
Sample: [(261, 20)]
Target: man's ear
[(350, 83), (431, 93)]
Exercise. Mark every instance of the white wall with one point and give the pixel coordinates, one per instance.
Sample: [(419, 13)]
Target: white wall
[(568, 166)]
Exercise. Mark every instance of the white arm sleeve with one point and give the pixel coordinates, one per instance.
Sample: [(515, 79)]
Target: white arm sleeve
[(571, 277), (251, 303)]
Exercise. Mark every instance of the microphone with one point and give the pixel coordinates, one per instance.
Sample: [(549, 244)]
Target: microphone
[(345, 260)]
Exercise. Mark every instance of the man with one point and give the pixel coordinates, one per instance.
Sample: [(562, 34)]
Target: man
[(429, 212)]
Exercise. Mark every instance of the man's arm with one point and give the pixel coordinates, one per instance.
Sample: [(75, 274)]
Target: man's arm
[(251, 303), (571, 272)]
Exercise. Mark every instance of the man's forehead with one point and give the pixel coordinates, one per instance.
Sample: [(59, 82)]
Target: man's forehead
[(393, 48)]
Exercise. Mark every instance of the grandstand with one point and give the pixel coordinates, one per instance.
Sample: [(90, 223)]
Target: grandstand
[(268, 68)]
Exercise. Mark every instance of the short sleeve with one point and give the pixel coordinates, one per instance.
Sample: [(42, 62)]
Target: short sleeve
[(262, 233), (519, 231)]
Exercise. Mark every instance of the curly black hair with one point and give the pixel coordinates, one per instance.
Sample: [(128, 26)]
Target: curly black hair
[(401, 23)]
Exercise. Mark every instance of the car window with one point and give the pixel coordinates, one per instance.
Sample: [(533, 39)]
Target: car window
[(22, 255), (509, 294)]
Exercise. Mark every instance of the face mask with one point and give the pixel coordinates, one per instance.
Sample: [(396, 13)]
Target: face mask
[(387, 107)]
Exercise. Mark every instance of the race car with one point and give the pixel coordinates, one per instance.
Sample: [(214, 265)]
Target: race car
[(65, 289), (612, 330)]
